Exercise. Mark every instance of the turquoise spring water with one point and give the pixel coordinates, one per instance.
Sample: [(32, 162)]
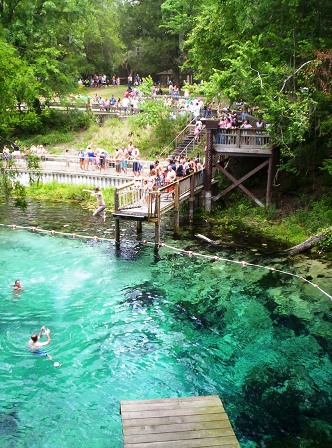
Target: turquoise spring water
[(127, 325)]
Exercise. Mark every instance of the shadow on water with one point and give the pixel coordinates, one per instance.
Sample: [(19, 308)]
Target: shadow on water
[(9, 423), (142, 295)]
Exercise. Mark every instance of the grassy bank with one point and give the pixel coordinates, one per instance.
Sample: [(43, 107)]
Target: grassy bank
[(54, 192), (306, 217)]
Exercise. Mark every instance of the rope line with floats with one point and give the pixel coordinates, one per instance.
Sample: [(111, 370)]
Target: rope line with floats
[(175, 249)]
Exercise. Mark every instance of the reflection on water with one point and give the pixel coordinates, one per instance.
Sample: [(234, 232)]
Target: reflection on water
[(129, 326)]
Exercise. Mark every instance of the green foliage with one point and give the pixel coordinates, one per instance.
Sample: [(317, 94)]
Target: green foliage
[(9, 182), (325, 244), (327, 166), (146, 86), (150, 49), (162, 128), (51, 126), (307, 218), (273, 56), (56, 192)]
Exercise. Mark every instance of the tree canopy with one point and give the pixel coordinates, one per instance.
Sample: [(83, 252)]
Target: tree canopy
[(275, 54)]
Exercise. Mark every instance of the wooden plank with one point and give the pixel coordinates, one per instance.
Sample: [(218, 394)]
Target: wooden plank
[(183, 435), (177, 427), (176, 403), (212, 398), (188, 422), (127, 423), (221, 442), (170, 412), (243, 151)]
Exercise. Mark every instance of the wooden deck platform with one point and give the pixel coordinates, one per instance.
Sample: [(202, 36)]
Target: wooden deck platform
[(193, 422)]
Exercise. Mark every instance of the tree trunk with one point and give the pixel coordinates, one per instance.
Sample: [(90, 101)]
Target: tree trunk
[(307, 244)]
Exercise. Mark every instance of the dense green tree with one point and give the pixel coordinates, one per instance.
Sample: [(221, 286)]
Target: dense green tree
[(60, 39), (150, 47), (273, 54)]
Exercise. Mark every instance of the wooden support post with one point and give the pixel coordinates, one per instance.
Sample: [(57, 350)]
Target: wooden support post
[(157, 224), (269, 182), (117, 231), (156, 236), (191, 199), (238, 138), (208, 170), (116, 200), (177, 208), (138, 227)]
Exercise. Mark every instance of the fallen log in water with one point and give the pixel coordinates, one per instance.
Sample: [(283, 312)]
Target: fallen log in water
[(307, 244), (205, 238)]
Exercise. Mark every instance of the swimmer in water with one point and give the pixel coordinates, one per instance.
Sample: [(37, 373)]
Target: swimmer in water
[(17, 285), (34, 342)]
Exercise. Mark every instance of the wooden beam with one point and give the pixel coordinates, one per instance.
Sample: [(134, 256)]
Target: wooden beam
[(238, 183), (269, 182), (243, 152)]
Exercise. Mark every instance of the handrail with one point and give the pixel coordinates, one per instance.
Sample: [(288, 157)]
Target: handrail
[(127, 196), (242, 138), (174, 141), (192, 142)]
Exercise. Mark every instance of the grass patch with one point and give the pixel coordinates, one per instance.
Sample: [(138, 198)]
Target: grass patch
[(85, 93), (56, 192), (308, 218)]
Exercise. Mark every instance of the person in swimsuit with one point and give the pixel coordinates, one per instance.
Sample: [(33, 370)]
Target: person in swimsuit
[(100, 200), (34, 343), (17, 285)]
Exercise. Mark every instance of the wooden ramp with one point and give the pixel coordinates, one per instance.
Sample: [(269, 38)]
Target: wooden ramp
[(193, 422)]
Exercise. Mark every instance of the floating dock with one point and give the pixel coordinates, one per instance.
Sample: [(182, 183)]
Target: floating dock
[(193, 422)]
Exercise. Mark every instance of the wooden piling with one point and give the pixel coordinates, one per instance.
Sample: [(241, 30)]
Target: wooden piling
[(157, 223), (139, 227), (177, 208), (117, 231), (191, 199)]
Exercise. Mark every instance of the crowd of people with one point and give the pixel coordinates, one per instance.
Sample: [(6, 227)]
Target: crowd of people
[(129, 103), (15, 152), (102, 160), (161, 174), (99, 81)]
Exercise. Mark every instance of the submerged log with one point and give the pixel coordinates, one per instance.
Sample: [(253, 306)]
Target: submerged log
[(307, 244)]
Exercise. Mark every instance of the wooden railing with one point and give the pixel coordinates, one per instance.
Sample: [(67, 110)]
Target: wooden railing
[(242, 138), (129, 197)]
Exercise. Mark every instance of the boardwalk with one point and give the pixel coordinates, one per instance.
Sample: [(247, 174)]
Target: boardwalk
[(193, 422), (132, 202)]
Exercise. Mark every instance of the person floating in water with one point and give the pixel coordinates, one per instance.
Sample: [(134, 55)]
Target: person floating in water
[(100, 200), (35, 344), (17, 285)]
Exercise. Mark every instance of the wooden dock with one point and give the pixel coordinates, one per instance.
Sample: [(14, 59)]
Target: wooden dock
[(193, 422), (131, 203)]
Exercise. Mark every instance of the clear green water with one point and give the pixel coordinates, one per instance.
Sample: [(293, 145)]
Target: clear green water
[(129, 326)]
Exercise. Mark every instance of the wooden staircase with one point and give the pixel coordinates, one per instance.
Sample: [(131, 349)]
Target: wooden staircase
[(183, 143), (188, 143)]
